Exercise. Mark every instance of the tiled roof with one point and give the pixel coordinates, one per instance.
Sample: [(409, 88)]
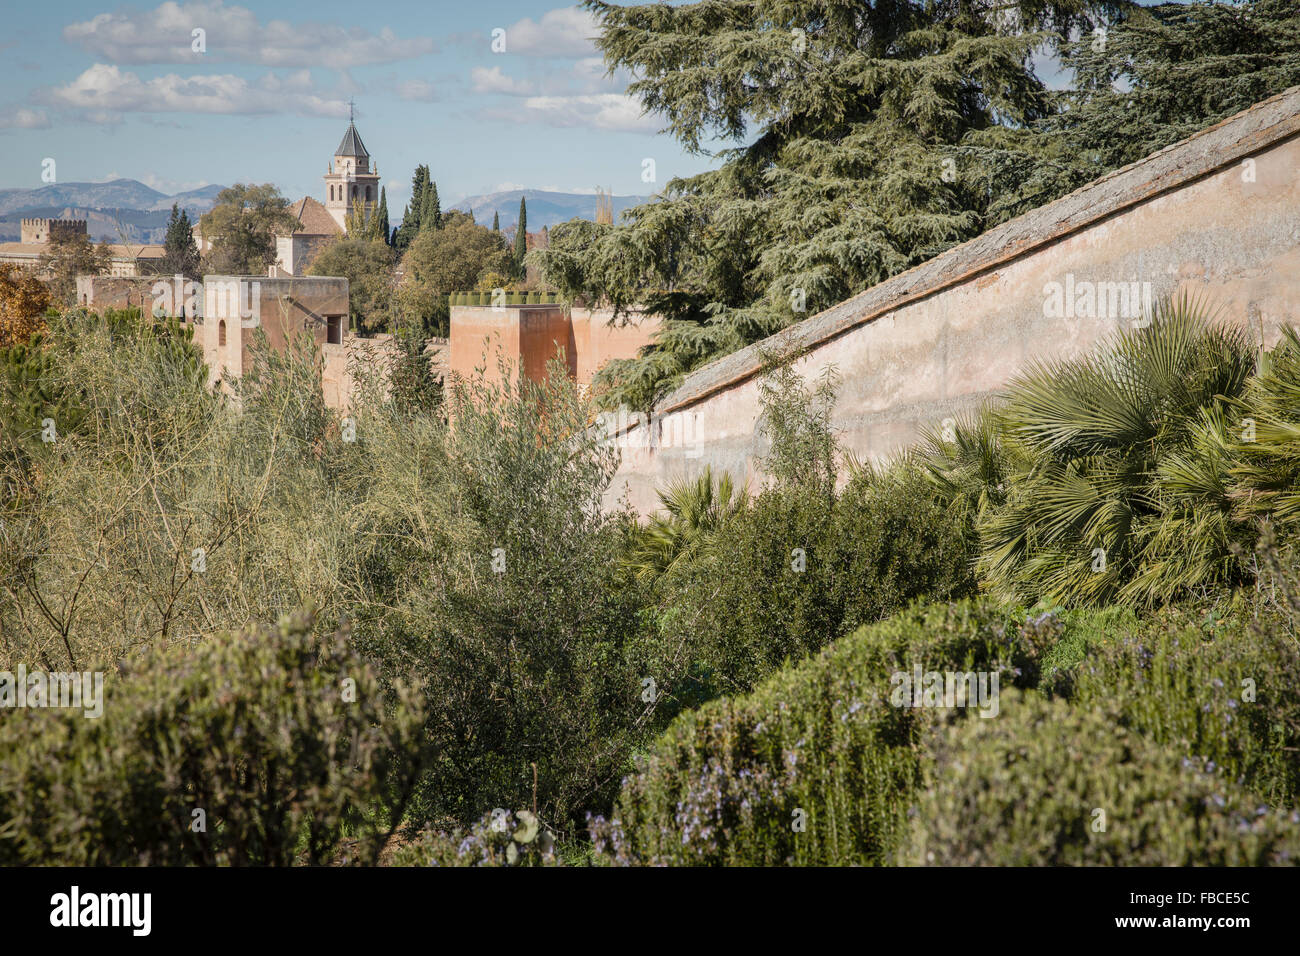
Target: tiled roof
[(314, 219), (119, 251)]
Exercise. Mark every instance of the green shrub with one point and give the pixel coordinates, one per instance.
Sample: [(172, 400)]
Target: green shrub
[(894, 542), (1219, 689), (1048, 784), (724, 784), (491, 569), (759, 594), (796, 567), (792, 570), (278, 735)]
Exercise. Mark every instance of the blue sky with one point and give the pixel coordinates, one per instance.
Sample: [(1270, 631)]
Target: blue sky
[(112, 90)]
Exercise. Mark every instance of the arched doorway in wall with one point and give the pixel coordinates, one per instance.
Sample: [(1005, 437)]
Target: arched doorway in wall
[(221, 333)]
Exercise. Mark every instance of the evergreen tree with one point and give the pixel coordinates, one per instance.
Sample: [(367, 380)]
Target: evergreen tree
[(521, 237), (180, 251), (868, 136), (381, 216), (410, 226), (431, 208), (1170, 70), (496, 222)]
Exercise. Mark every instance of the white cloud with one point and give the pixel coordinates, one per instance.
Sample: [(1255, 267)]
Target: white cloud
[(23, 118), (164, 35), (494, 81), (105, 92), (610, 111), (567, 31), (418, 91)]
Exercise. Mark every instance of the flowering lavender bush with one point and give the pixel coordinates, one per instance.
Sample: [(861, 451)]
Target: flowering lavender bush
[(1222, 689), (1050, 784), (816, 766)]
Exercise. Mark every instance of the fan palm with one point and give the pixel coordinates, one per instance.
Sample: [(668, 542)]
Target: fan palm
[(1119, 484), (1267, 445), (692, 511)]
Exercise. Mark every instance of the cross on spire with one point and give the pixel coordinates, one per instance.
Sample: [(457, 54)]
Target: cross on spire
[(351, 118)]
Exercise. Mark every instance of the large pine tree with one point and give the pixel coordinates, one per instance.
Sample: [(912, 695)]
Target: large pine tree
[(862, 139), (1167, 71), (866, 137)]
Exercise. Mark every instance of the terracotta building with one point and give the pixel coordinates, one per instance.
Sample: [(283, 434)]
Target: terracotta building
[(317, 228)]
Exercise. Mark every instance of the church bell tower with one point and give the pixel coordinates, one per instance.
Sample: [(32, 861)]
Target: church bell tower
[(351, 179)]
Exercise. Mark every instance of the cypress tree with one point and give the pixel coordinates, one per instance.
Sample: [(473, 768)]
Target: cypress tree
[(410, 226), (496, 222), (382, 215), (180, 252), (431, 208), (521, 236)]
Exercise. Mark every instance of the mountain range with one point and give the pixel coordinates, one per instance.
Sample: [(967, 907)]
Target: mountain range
[(544, 208), (128, 209), (120, 208)]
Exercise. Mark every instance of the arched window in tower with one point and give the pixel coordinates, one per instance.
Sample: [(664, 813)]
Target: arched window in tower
[(221, 333), (367, 194), (354, 192)]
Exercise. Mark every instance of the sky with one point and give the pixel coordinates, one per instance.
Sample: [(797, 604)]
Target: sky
[(491, 94), (112, 91)]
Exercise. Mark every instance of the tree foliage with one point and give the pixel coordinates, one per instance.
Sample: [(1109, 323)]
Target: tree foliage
[(242, 226), (23, 301), (856, 140), (367, 264), (180, 251), (69, 255), (445, 260)]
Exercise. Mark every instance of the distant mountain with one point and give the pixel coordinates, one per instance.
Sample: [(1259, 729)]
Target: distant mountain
[(544, 208), (120, 208)]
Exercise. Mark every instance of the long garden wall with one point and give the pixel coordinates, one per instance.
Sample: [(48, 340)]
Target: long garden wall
[(1216, 216)]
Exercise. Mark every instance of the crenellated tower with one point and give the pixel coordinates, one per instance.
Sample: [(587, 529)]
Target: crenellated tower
[(47, 230)]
